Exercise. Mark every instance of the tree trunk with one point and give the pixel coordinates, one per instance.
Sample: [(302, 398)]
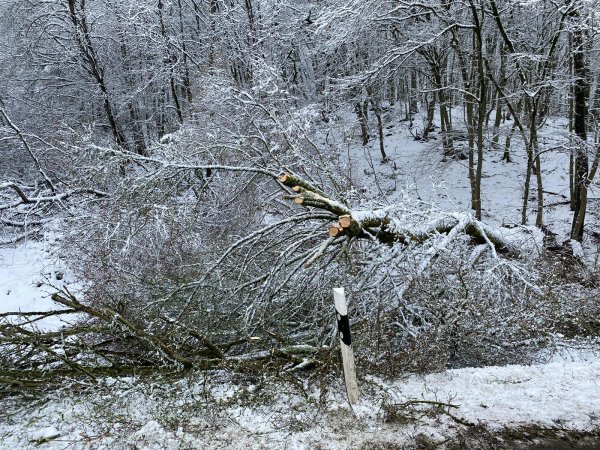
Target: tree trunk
[(527, 185), (482, 103), (377, 112), (170, 62), (579, 126), (572, 184), (445, 123), (499, 101), (361, 113), (428, 126), (186, 70), (413, 106), (539, 217), (468, 103), (91, 64)]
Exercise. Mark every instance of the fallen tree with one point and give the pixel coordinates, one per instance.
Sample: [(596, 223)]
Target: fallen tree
[(380, 224), (270, 284)]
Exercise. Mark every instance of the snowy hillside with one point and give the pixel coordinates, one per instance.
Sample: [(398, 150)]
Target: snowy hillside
[(419, 170)]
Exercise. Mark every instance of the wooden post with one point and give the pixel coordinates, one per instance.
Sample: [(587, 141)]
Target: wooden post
[(341, 308)]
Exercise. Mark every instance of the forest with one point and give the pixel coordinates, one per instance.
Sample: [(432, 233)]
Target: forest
[(204, 172)]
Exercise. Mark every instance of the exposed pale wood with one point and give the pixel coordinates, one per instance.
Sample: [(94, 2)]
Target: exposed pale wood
[(349, 373), (291, 181), (339, 299), (350, 225), (345, 221), (283, 177), (334, 231)]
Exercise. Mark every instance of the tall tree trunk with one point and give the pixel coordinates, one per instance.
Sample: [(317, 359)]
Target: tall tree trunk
[(539, 217), (186, 70), (499, 101), (527, 184), (377, 112), (413, 106), (436, 63), (92, 65), (139, 143), (361, 113), (572, 184), (482, 103), (170, 61), (469, 108), (579, 125), (529, 116)]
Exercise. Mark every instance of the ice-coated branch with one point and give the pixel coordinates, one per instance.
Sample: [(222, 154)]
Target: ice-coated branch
[(388, 229), (25, 199), (111, 316), (25, 143)]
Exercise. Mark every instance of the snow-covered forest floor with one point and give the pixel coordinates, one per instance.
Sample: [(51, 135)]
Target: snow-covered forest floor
[(554, 401), (493, 407)]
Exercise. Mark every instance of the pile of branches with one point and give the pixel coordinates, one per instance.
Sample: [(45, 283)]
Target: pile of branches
[(109, 341), (193, 260), (30, 210), (105, 343)]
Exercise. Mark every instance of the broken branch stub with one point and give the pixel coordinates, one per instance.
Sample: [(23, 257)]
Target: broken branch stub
[(334, 231), (291, 181)]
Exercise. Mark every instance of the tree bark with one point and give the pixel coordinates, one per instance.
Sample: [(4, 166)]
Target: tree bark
[(499, 101), (579, 125), (91, 64), (361, 113), (482, 103)]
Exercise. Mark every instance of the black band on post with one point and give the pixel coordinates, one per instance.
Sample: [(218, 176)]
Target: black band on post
[(344, 329)]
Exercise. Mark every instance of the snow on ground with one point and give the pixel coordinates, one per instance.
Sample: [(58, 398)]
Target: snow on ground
[(563, 395), (28, 272), (224, 411)]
